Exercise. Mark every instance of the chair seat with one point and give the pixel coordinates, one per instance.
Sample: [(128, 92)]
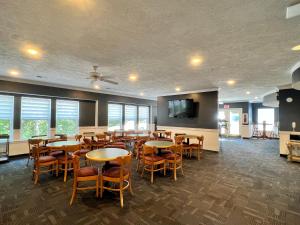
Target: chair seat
[(63, 158), (48, 158), (87, 171), (166, 151), (114, 172), (56, 153), (165, 139), (84, 151), (171, 156), (154, 158)]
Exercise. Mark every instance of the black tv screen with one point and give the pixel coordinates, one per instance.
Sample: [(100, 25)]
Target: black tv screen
[(181, 108)]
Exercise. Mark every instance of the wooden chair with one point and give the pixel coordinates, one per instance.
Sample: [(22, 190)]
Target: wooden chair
[(66, 160), (197, 147), (152, 162), (41, 160), (174, 160), (78, 137), (139, 152), (118, 175), (32, 143), (155, 135), (81, 175), (101, 139)]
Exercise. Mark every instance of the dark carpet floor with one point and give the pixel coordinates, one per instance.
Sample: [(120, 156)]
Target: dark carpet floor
[(246, 183)]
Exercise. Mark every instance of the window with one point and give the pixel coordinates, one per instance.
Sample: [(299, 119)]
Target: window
[(144, 118), (266, 114), (115, 117), (6, 115), (130, 117), (67, 117), (35, 117)]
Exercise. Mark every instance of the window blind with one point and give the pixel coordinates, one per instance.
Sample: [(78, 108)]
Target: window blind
[(6, 107), (144, 118), (130, 117), (115, 116), (66, 109), (35, 108)]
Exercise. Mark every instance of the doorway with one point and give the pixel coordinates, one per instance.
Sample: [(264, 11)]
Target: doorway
[(233, 120)]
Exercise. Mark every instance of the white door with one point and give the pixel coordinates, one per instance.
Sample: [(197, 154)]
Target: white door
[(234, 120)]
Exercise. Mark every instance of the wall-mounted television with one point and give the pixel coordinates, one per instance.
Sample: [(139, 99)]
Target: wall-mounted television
[(181, 108)]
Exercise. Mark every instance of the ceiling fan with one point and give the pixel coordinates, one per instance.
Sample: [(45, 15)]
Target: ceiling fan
[(96, 78)]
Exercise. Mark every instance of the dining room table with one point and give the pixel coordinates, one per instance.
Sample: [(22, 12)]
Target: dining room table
[(60, 144), (161, 133), (160, 145), (46, 139), (188, 137)]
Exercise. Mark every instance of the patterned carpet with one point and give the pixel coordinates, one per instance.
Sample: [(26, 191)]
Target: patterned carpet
[(246, 183)]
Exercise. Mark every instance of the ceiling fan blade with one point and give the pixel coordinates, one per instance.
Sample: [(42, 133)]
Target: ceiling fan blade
[(105, 77), (109, 81)]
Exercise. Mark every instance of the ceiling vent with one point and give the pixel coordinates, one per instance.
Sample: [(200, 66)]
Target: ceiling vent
[(293, 11), (296, 79), (270, 100)]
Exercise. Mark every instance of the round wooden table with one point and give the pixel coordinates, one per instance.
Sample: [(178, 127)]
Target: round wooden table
[(188, 137), (137, 135), (159, 144), (58, 144), (106, 154)]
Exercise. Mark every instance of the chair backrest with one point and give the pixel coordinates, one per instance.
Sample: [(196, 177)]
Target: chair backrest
[(125, 162), (155, 135), (200, 141), (87, 141), (78, 137), (101, 137), (71, 148), (76, 163), (179, 140), (115, 146), (177, 149), (34, 143), (148, 151), (168, 134)]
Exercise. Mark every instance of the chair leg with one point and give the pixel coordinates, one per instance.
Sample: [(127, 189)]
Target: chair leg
[(65, 171), (37, 174), (97, 187), (198, 154), (121, 196), (164, 168), (181, 167), (130, 186), (28, 160), (73, 192), (138, 165), (57, 168), (143, 171), (101, 186), (152, 172), (175, 171)]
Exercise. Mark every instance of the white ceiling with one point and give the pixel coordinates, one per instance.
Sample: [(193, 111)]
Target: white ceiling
[(248, 41)]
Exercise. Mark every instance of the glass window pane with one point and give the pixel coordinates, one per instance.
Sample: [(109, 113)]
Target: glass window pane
[(115, 115), (267, 115), (144, 118), (6, 115), (67, 117), (130, 117), (35, 117)]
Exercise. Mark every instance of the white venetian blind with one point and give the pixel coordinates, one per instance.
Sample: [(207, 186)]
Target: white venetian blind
[(6, 114), (115, 116), (35, 108), (130, 117), (144, 118), (66, 109)]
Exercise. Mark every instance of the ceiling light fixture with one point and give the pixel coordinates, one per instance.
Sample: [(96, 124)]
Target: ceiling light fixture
[(32, 51), (248, 92), (296, 48), (96, 84), (256, 97), (14, 73), (196, 60), (231, 82), (177, 89), (141, 94), (133, 77)]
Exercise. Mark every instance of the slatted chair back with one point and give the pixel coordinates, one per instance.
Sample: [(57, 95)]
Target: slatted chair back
[(179, 140), (78, 137)]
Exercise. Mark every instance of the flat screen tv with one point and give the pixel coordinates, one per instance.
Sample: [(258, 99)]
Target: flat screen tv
[(181, 108)]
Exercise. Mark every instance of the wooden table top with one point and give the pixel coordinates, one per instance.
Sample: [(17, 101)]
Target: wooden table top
[(188, 136), (159, 144), (138, 135), (63, 143), (106, 154), (160, 131), (45, 138)]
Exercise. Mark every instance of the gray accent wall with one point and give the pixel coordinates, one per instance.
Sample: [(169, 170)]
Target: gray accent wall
[(87, 101), (289, 112), (206, 111)]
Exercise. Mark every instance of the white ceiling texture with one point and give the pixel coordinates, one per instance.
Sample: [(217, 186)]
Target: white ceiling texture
[(246, 41)]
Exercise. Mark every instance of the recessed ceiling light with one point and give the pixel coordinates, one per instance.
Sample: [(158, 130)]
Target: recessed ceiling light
[(296, 48), (248, 92), (132, 77), (141, 94), (32, 51), (256, 97), (177, 89), (231, 82), (14, 73), (196, 60)]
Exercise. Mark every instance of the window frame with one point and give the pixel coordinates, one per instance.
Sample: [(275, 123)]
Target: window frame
[(77, 119), (21, 115), (11, 119)]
